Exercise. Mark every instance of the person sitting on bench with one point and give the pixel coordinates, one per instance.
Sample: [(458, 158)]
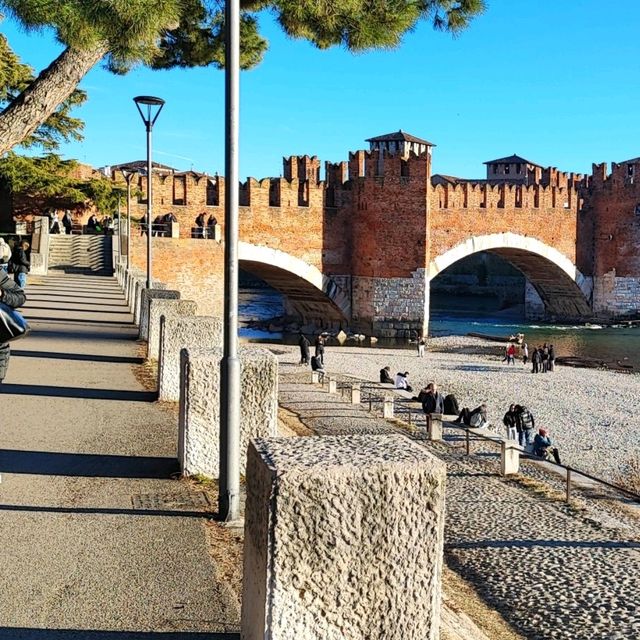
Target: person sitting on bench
[(476, 418), (433, 402), (385, 376)]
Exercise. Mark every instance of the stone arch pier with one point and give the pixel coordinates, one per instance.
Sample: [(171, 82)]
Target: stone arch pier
[(309, 293), (565, 292)]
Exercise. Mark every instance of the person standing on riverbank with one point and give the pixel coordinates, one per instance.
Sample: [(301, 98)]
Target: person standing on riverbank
[(319, 352), (526, 426), (525, 354), (421, 346), (536, 360), (552, 357), (304, 345), (510, 420)]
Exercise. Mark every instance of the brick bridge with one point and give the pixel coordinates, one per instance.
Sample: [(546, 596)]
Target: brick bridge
[(361, 247)]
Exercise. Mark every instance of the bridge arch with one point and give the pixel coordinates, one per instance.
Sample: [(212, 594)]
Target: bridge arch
[(310, 294), (565, 292)]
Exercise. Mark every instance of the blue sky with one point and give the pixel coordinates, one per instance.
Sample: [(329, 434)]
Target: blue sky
[(556, 82)]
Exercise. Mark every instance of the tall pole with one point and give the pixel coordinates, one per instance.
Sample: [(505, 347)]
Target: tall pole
[(119, 231), (129, 177), (229, 493), (149, 202)]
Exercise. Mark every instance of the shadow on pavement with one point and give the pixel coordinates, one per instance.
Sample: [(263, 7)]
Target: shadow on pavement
[(75, 356), (109, 511), (24, 633), (528, 544), (77, 392), (89, 321), (92, 465)]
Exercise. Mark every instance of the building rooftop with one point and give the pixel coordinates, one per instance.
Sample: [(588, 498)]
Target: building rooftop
[(399, 135), (514, 159), (632, 161), (136, 165), (456, 179)]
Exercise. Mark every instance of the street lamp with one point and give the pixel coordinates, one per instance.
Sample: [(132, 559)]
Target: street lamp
[(229, 482), (149, 108), (128, 176)]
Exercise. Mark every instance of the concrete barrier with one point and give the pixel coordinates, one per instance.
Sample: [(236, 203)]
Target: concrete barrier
[(159, 307), (140, 287), (343, 539), (146, 296), (434, 426), (177, 333), (355, 394), (387, 408), (199, 426)]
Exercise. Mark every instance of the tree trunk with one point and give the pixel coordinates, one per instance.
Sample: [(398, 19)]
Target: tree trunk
[(43, 96)]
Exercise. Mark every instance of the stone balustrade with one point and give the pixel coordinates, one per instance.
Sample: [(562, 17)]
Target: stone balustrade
[(159, 307)]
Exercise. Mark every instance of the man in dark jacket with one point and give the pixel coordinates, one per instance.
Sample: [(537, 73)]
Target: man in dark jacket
[(304, 345), (21, 264), (13, 296), (526, 426), (433, 401), (385, 376)]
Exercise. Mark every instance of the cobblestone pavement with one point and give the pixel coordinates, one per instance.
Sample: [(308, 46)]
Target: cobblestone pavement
[(552, 572)]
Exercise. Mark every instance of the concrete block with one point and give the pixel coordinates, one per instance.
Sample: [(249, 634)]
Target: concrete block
[(199, 427), (343, 539), (315, 377), (434, 427), (177, 333), (146, 296), (509, 458), (387, 408), (355, 394), (141, 285), (332, 385), (159, 307)]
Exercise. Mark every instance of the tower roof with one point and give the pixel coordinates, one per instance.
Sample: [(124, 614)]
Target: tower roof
[(514, 159), (399, 135)]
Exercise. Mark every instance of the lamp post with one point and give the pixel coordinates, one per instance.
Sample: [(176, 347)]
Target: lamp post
[(128, 176), (229, 493), (149, 108)]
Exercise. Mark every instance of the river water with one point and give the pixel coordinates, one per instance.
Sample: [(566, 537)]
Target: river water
[(469, 315)]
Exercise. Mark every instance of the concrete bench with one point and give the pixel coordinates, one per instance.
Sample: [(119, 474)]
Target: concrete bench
[(199, 427), (159, 307), (177, 333), (146, 296), (323, 515)]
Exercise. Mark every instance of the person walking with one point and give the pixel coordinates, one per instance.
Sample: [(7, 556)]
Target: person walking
[(525, 354), (13, 296), (5, 256), (67, 222), (511, 354), (319, 349), (421, 346), (304, 345), (20, 264)]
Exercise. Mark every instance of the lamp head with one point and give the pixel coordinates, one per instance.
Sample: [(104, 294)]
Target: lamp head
[(149, 108)]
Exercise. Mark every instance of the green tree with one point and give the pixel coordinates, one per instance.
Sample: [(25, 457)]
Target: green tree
[(169, 33)]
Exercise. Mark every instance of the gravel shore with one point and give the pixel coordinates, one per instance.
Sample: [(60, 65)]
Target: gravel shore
[(592, 415)]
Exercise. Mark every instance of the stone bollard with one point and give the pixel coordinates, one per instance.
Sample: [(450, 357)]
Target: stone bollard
[(315, 377), (434, 426), (199, 430), (146, 296), (343, 539), (355, 394), (159, 307), (509, 458), (141, 287), (177, 333), (387, 408), (333, 385)]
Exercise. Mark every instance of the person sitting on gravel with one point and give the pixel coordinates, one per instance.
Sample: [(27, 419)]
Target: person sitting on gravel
[(476, 418), (385, 376), (525, 425), (402, 381), (510, 420), (543, 447), (318, 366), (433, 402)]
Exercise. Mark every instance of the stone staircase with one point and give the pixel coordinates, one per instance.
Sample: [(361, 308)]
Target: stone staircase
[(81, 254)]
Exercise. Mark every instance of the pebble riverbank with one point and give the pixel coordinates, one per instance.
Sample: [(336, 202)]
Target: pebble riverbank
[(592, 415)]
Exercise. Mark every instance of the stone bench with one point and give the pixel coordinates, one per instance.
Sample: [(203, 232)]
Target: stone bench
[(199, 427), (177, 333), (159, 307), (146, 296), (343, 538)]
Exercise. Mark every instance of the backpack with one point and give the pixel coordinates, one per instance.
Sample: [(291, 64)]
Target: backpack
[(450, 407)]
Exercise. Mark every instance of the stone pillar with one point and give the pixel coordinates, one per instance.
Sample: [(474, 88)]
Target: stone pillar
[(159, 307), (509, 458), (177, 333), (199, 432), (355, 394), (387, 408), (343, 539), (145, 297), (332, 385), (434, 426), (174, 230)]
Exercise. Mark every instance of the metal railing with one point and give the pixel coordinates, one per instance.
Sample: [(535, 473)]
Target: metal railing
[(415, 417)]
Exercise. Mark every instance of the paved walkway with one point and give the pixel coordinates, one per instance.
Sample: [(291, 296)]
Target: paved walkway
[(551, 572), (96, 541)]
